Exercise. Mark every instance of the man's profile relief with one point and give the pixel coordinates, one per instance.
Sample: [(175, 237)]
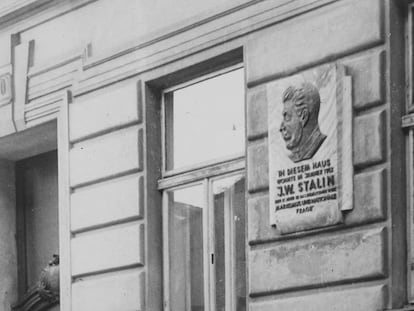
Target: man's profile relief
[(299, 127)]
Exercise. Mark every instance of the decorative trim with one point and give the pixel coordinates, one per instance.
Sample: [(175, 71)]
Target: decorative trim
[(57, 76), (407, 121), (32, 301), (49, 281), (233, 165), (43, 109), (21, 66), (163, 46), (19, 7), (187, 40), (45, 293), (166, 33), (410, 57), (64, 203), (45, 85), (23, 20), (6, 89)]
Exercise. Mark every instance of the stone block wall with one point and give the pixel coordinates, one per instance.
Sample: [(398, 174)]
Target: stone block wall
[(348, 266), (107, 214)]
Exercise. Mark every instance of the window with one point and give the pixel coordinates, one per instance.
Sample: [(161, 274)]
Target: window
[(204, 194), (204, 120)]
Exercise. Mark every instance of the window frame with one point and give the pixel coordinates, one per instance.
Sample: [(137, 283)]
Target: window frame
[(208, 240), (229, 275), (204, 173), (166, 149), (407, 124), (165, 244)]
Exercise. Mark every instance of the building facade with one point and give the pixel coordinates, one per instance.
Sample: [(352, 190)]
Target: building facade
[(142, 143)]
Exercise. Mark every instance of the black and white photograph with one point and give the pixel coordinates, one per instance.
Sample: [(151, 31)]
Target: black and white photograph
[(218, 155)]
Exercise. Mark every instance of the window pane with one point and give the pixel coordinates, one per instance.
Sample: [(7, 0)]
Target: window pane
[(185, 235), (205, 121), (229, 249)]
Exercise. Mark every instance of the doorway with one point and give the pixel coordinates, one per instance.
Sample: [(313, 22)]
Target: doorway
[(37, 218)]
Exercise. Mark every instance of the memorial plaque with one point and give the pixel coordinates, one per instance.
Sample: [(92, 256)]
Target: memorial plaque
[(310, 149)]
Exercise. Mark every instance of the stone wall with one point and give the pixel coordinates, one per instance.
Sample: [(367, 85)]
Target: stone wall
[(345, 267), (107, 176)]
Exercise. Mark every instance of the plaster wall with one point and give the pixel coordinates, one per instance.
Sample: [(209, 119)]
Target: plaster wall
[(114, 114), (110, 26)]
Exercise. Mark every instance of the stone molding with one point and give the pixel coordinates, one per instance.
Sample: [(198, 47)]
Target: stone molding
[(32, 301), (13, 9), (45, 293)]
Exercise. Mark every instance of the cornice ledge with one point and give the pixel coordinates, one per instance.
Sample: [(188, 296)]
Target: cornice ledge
[(14, 9), (251, 16)]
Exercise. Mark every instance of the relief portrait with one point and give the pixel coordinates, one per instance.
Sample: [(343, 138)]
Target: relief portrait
[(299, 127)]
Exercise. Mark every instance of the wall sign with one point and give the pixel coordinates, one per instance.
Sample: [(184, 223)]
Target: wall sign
[(310, 149)]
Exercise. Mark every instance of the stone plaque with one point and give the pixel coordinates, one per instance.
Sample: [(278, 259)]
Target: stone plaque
[(310, 149)]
